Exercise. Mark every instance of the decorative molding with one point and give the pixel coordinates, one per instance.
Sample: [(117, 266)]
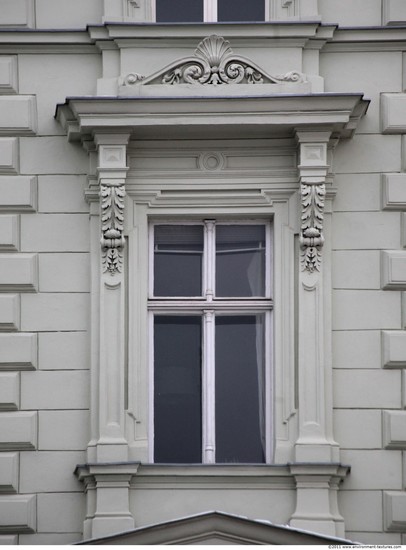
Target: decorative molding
[(212, 161), (112, 218), (215, 63), (311, 231)]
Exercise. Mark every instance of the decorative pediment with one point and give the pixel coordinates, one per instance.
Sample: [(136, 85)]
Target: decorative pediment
[(214, 64)]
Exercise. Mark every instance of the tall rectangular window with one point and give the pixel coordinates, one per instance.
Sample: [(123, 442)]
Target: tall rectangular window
[(210, 305)]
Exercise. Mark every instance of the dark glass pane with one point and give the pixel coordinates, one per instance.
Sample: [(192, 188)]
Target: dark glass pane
[(177, 389), (240, 260), (179, 11), (240, 389), (241, 10), (178, 252)]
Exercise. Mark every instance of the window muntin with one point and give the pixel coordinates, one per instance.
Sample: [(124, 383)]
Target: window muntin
[(226, 417), (189, 11)]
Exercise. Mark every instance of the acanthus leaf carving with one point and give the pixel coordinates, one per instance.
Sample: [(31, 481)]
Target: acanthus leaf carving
[(312, 217), (214, 63), (112, 219)]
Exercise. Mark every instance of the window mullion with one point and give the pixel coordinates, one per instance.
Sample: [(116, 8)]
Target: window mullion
[(210, 11), (208, 385), (209, 259)]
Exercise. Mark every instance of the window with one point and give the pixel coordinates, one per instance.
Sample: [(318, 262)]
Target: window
[(210, 308), (209, 10)]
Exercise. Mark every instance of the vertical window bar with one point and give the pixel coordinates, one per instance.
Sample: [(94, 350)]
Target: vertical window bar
[(210, 11), (208, 387), (209, 259)]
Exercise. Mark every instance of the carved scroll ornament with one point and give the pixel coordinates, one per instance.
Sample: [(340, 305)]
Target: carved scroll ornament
[(311, 234), (112, 218), (215, 63)]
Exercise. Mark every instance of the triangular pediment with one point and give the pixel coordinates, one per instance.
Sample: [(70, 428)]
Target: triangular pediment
[(211, 528), (214, 69)]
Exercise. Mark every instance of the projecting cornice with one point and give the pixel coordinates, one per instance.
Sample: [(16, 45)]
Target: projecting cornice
[(211, 116)]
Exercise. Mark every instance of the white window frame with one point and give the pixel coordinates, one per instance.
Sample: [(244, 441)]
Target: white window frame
[(209, 10), (207, 307)]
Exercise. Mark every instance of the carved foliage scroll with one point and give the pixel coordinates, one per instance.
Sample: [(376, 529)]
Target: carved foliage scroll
[(311, 234), (112, 217), (215, 63)]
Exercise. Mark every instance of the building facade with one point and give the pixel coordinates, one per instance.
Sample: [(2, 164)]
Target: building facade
[(202, 268)]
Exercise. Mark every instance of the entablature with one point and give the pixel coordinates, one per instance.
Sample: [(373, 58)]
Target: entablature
[(211, 117)]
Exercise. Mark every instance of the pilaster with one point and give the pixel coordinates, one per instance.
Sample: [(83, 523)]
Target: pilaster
[(111, 172), (316, 471)]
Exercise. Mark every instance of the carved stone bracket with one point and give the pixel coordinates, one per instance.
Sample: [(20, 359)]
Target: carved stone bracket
[(112, 219), (311, 230)]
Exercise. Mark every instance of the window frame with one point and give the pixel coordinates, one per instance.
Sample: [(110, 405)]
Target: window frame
[(207, 308), (210, 12)]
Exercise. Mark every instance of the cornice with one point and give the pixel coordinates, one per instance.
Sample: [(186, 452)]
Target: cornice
[(207, 116), (366, 39), (45, 41)]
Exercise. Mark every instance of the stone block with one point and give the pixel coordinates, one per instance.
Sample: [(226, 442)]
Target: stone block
[(54, 311), (55, 390), (403, 230), (362, 510), (366, 389), (9, 155), (9, 312), (18, 193), (18, 431), (8, 472), (9, 232), (54, 155), (356, 269), (358, 429), (18, 351), (67, 272), (367, 472), (351, 71), (393, 115), (366, 310), (393, 269), (394, 430), (366, 230), (55, 232), (394, 506), (18, 115), (62, 194), (50, 472), (9, 391), (394, 349), (394, 12), (8, 540), (18, 272), (44, 75), (42, 539), (61, 513), (18, 514), (351, 12), (57, 14), (357, 192), (360, 349), (394, 192), (367, 153), (8, 74), (63, 350), (63, 430), (17, 13)]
